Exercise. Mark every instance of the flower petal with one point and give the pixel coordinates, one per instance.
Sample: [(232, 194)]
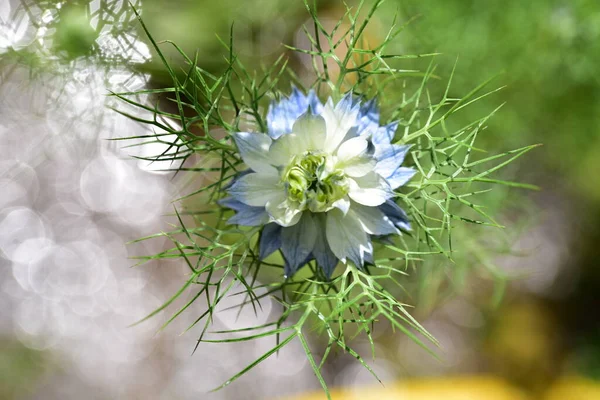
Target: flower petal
[(297, 242), (322, 253), (395, 214), (282, 211), (255, 216), (346, 237), (308, 134), (285, 148), (389, 163), (384, 135), (270, 240), (236, 178), (256, 189), (369, 258), (311, 129), (282, 114), (353, 148), (369, 190), (373, 220), (389, 158), (339, 120), (355, 156), (400, 177), (254, 149), (245, 215), (342, 204), (368, 117)]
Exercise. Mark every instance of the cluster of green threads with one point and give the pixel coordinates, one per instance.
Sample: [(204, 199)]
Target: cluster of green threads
[(310, 185), (329, 190)]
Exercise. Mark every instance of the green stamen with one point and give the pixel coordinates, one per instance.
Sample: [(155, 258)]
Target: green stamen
[(311, 185)]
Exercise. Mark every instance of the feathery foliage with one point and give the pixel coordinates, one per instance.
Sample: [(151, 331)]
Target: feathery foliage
[(445, 201)]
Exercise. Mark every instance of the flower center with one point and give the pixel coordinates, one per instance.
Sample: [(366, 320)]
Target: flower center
[(311, 182)]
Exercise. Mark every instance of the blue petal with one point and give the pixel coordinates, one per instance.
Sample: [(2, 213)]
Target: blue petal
[(384, 135), (347, 105), (232, 203), (390, 157), (256, 189), (236, 177), (290, 269), (297, 243), (369, 258), (314, 103), (395, 214), (325, 258), (253, 216), (270, 240), (400, 176), (368, 117), (388, 165), (254, 149), (356, 257), (282, 115), (245, 215)]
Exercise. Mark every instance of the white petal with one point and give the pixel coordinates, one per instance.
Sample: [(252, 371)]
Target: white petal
[(352, 148), (311, 129), (254, 149), (308, 134), (282, 212), (373, 221), (346, 237), (285, 148), (355, 157), (342, 204), (339, 121), (369, 190), (256, 189), (359, 169)]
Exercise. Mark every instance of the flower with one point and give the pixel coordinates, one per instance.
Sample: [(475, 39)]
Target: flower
[(321, 181)]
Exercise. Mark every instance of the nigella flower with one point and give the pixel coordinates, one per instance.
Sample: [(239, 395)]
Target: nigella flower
[(321, 181)]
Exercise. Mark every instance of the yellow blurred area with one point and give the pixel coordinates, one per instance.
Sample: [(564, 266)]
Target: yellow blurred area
[(459, 388), (463, 388), (574, 388)]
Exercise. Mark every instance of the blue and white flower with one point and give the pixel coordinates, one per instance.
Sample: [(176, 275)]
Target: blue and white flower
[(321, 181)]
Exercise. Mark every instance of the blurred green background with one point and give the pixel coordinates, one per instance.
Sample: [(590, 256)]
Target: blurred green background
[(549, 54)]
